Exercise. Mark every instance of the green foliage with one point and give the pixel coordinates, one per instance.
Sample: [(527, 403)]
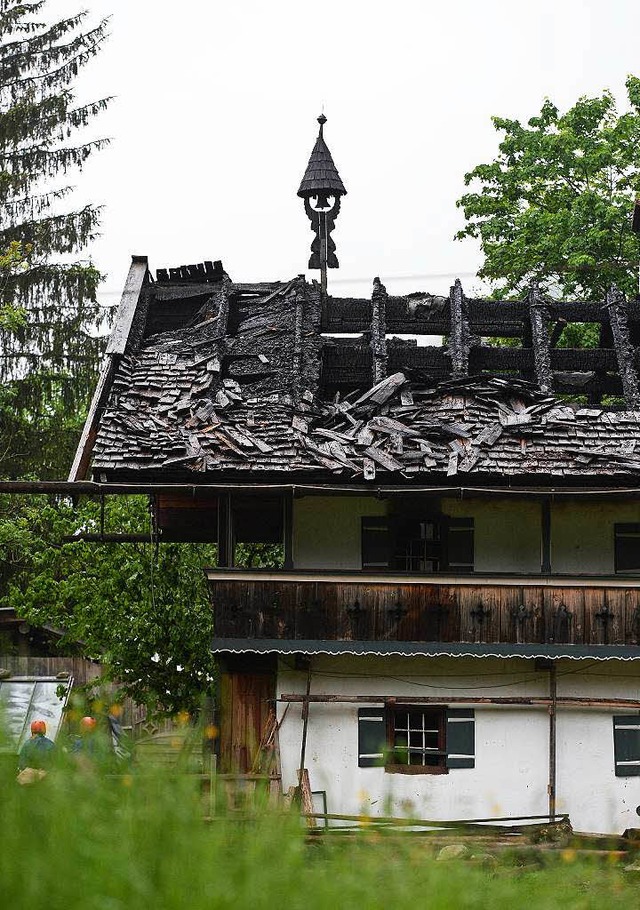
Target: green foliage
[(142, 610), (556, 203), (49, 317), (85, 842), (12, 261)]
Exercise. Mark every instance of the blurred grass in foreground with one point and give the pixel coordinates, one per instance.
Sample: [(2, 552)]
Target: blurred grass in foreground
[(81, 840)]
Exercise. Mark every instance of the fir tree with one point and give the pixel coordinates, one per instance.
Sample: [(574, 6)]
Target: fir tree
[(49, 347)]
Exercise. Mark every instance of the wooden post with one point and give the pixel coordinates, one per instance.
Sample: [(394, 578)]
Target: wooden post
[(287, 528), (379, 330), (225, 535), (323, 253), (539, 318), (304, 785), (213, 767), (545, 537), (459, 336), (305, 721), (617, 307)]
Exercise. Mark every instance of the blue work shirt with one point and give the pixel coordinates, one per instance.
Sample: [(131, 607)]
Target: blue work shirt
[(36, 752)]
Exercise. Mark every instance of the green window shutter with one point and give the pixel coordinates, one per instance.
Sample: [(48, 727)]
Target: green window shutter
[(372, 737), (376, 543), (461, 737), (627, 547), (626, 745), (460, 547)]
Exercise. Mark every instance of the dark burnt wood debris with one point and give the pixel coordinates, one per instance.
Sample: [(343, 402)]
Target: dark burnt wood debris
[(225, 379)]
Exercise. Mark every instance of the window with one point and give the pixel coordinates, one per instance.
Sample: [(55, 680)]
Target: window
[(627, 547), (416, 739), (417, 545), (626, 745)]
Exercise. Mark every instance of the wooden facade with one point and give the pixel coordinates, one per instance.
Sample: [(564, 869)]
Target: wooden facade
[(347, 608), (245, 700)]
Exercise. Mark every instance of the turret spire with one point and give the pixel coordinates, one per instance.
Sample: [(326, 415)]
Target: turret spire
[(322, 184)]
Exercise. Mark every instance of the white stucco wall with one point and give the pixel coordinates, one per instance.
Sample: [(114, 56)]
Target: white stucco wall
[(506, 532), (511, 769), (582, 535), (326, 532)]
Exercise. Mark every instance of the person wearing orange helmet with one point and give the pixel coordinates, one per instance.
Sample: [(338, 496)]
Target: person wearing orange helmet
[(36, 752), (90, 747)]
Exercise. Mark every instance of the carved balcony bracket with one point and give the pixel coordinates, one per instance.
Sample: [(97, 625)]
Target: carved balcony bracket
[(397, 611), (521, 615), (480, 613), (561, 626), (605, 616)]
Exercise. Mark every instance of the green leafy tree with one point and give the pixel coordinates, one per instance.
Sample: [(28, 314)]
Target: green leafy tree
[(142, 610), (49, 344), (556, 203)]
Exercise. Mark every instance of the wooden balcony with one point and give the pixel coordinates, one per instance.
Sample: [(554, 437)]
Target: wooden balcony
[(291, 606)]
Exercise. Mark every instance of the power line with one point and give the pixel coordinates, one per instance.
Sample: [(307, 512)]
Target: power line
[(368, 279)]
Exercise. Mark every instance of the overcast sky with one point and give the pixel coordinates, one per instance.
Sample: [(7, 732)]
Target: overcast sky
[(215, 117)]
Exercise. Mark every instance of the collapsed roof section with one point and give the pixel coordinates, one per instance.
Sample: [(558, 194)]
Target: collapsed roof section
[(207, 379)]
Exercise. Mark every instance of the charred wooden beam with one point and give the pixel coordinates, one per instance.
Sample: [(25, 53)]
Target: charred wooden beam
[(459, 335), (487, 318), (346, 363), (138, 275), (556, 332), (222, 299), (297, 342), (379, 330), (617, 307), (539, 319)]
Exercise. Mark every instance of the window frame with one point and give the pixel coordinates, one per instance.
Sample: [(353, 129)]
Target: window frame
[(622, 530), (626, 743), (376, 738), (395, 528), (395, 767)]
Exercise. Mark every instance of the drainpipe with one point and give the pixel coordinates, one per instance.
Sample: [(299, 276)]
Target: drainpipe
[(551, 788)]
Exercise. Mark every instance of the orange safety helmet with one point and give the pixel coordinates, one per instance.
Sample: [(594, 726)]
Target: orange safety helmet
[(38, 727), (87, 724)]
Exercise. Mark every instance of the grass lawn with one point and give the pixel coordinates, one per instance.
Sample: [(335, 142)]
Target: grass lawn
[(81, 840)]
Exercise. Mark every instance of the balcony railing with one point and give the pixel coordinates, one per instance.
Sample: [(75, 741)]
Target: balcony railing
[(329, 606)]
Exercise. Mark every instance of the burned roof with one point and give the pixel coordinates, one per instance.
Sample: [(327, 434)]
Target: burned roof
[(212, 380), (396, 429)]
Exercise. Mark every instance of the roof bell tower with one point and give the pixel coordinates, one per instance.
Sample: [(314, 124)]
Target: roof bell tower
[(321, 189)]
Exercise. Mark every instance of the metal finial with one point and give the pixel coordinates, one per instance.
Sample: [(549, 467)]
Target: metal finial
[(322, 120)]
